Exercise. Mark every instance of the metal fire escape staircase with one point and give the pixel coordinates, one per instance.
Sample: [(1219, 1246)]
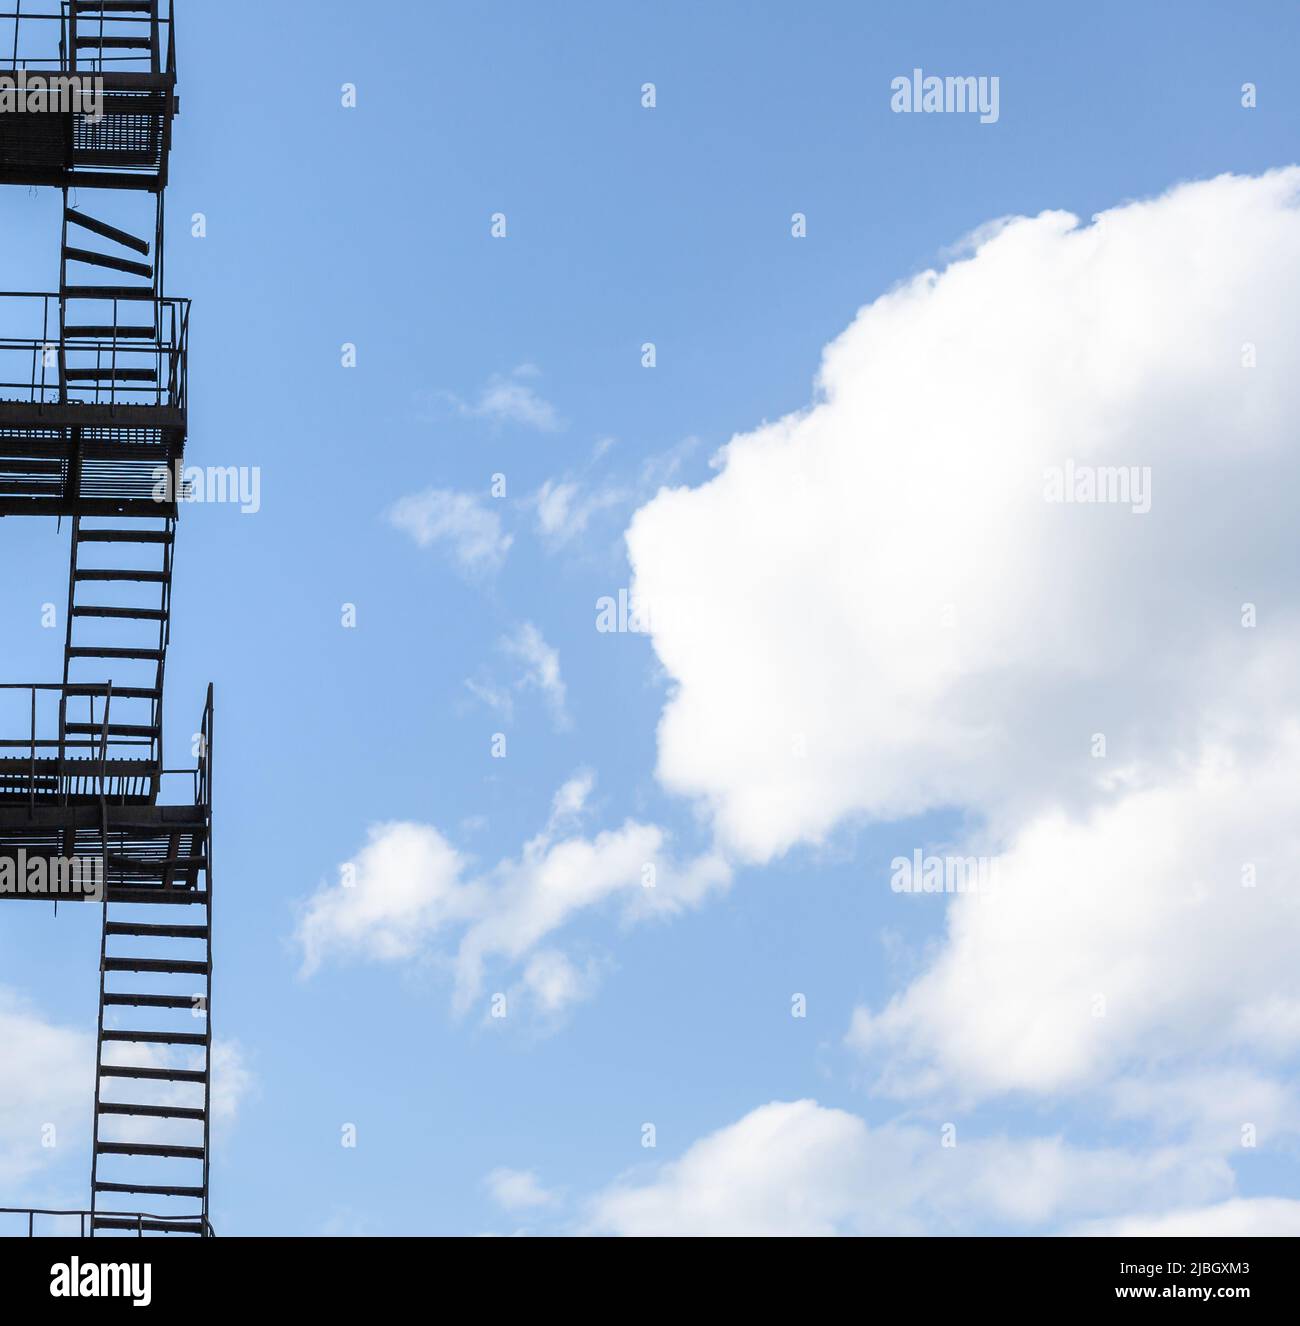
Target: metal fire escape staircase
[(156, 1147), (92, 428)]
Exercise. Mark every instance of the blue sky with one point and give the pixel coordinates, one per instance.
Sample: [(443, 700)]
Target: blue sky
[(625, 225)]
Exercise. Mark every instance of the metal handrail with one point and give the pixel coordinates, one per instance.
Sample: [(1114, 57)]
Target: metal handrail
[(31, 1212), (205, 754), (25, 21), (45, 383), (48, 755), (200, 775)]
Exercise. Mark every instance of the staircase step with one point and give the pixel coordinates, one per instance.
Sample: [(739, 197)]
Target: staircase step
[(155, 1037), (112, 6), (103, 158), (123, 893), (153, 1074), (121, 614), (186, 819), (121, 1000), (153, 930), (171, 966), (151, 1111), (119, 692), (110, 375), (137, 577), (124, 536), (153, 1189), (98, 43), (104, 651), (173, 864), (119, 292), (120, 1037), (108, 331), (102, 228), (127, 265), (149, 1226), (114, 730), (149, 1149)]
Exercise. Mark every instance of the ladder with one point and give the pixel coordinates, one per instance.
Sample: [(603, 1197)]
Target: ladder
[(119, 620), (156, 1148), (104, 30)]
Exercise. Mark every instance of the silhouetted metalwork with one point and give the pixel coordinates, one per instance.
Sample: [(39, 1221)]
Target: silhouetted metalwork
[(93, 429)]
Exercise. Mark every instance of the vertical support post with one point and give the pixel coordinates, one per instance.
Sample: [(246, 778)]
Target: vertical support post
[(32, 783), (103, 953), (67, 660), (206, 729)]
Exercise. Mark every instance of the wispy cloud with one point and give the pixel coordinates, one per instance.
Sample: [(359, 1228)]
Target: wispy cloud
[(465, 524), (517, 1190), (567, 504), (509, 398), (541, 668), (410, 895), (541, 673), (565, 508), (45, 1075)]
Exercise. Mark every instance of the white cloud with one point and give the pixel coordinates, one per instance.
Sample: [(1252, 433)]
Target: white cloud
[(565, 508), (517, 1190), (555, 509), (500, 698), (47, 1076), (401, 889), (1210, 1105), (509, 398), (541, 668), (1241, 1217), (409, 893), (233, 1083), (1139, 904), (798, 1168), (541, 673), (233, 1080), (872, 610), (465, 524), (554, 983)]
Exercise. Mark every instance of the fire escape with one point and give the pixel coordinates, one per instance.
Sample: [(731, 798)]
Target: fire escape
[(92, 432)]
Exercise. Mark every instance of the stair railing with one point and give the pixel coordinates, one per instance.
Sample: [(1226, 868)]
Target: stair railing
[(82, 1216), (103, 953), (31, 786), (67, 659)]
